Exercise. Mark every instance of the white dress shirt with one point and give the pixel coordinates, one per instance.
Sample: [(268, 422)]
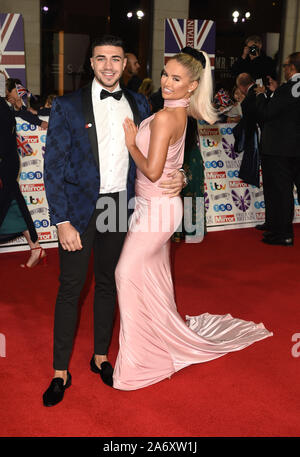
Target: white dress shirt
[(109, 116)]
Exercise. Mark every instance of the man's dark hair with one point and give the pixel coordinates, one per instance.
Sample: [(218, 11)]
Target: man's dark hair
[(255, 38), (10, 83), (108, 40), (294, 59)]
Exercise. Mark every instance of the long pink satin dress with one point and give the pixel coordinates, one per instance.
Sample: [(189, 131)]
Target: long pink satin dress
[(154, 341)]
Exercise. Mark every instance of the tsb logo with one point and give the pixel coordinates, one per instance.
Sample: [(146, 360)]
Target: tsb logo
[(225, 131), (223, 207), (214, 164), (259, 205), (31, 175), (26, 127), (233, 173), (43, 223)]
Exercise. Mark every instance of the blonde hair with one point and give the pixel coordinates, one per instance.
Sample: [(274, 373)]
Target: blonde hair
[(201, 106), (146, 88)]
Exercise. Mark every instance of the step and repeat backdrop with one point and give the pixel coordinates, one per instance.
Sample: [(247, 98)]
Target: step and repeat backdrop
[(229, 202), (31, 147)]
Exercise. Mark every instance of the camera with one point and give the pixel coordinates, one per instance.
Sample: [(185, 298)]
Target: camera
[(254, 50)]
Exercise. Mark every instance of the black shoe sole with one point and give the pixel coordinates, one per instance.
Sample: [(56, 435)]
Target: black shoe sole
[(271, 242)]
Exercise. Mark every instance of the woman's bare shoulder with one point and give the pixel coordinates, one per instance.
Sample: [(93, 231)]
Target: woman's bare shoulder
[(164, 118)]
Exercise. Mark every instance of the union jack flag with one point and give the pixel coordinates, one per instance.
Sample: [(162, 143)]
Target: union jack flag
[(197, 33), (12, 56), (23, 93), (222, 99), (24, 147)]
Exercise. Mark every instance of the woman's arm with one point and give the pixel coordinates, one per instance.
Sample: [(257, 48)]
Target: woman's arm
[(161, 133)]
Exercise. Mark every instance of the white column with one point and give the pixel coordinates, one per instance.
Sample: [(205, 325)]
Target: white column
[(30, 10), (164, 9)]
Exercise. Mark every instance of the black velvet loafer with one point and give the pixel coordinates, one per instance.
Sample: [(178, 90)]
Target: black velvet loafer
[(55, 392), (275, 240), (105, 372)]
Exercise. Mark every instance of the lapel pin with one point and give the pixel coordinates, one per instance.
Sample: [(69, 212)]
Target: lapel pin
[(87, 126)]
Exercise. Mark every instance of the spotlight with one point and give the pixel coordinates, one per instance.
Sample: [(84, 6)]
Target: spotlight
[(45, 8), (235, 19), (129, 14), (140, 14), (235, 14), (247, 15)]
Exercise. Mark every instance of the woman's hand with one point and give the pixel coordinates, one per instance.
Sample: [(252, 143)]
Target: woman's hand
[(130, 130)]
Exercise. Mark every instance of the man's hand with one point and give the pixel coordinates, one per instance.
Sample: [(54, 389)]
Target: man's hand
[(272, 84), (245, 52), (69, 237), (33, 111), (260, 90), (44, 125), (16, 102), (173, 185)]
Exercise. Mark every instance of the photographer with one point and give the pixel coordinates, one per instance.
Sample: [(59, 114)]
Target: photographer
[(254, 61)]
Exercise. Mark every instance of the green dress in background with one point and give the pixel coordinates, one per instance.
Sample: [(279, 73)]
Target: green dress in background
[(193, 225), (13, 221)]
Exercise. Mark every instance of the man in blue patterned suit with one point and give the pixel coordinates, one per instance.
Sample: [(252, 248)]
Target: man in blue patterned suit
[(87, 163)]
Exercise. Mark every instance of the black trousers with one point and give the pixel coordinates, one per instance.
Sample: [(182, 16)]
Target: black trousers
[(280, 174), (106, 247)]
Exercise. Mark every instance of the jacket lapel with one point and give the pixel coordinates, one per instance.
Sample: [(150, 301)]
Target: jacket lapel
[(131, 100), (88, 113)]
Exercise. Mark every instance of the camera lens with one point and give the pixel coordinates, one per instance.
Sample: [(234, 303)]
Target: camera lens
[(253, 50)]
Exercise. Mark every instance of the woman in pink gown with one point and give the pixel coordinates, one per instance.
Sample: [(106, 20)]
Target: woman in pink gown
[(154, 341)]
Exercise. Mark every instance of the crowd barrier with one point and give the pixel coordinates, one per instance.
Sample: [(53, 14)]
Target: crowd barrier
[(229, 202)]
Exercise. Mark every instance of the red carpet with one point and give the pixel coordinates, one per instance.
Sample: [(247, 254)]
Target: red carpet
[(254, 392)]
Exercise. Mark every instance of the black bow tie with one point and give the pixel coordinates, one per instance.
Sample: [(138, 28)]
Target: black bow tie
[(105, 93)]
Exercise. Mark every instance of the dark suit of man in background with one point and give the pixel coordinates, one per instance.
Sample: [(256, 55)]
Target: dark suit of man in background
[(87, 167), (280, 146), (246, 132), (247, 86)]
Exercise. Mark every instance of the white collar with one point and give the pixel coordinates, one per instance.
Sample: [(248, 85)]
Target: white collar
[(250, 87), (97, 87)]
